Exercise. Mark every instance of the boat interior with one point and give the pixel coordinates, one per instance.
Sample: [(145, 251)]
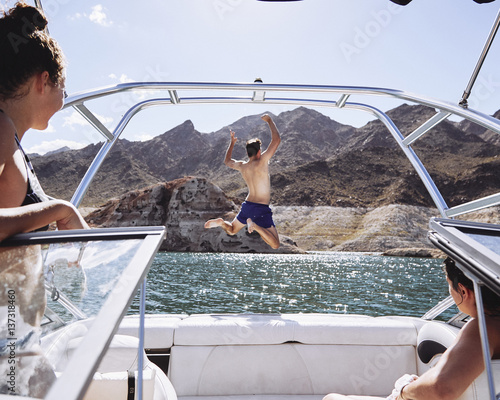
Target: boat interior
[(96, 351)]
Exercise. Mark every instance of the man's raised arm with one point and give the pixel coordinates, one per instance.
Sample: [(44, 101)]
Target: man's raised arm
[(275, 137), (229, 153)]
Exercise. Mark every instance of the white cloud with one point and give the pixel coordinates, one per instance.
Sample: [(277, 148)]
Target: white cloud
[(99, 16), (142, 137), (122, 79), (76, 119), (46, 147)]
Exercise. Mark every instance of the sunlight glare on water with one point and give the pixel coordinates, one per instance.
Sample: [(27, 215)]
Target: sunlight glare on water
[(322, 282)]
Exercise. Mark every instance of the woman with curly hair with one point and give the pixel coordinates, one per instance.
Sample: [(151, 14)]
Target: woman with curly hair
[(31, 92)]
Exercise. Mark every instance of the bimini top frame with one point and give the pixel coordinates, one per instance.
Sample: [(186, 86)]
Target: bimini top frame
[(299, 95)]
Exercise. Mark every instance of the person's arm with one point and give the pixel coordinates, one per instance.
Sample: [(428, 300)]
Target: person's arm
[(275, 138), (34, 216), (458, 367), (229, 153)]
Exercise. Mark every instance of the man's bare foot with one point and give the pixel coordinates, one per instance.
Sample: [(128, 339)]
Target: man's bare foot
[(214, 223), (251, 225)]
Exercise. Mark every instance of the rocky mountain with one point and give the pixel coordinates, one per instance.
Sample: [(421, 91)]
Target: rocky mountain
[(483, 133), (320, 161)]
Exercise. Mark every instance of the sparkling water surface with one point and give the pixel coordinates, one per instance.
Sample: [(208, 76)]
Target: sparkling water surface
[(320, 282)]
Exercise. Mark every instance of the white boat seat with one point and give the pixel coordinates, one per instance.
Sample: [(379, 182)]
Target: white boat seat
[(111, 379), (300, 355), (158, 329)]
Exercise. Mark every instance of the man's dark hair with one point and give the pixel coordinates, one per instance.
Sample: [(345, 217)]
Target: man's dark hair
[(253, 147), (490, 299)]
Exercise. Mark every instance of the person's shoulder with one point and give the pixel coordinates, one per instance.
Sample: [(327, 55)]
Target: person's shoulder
[(7, 132), (6, 125)]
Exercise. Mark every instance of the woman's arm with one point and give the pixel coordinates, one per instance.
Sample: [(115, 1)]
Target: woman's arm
[(34, 216)]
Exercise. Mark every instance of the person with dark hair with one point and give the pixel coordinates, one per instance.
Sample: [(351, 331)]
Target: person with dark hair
[(255, 211), (463, 361), (31, 92)]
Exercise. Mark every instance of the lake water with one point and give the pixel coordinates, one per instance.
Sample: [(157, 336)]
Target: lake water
[(321, 282)]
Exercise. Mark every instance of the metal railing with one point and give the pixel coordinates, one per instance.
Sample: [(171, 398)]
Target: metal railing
[(310, 95)]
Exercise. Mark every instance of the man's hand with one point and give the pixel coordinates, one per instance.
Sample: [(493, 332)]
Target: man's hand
[(234, 139), (266, 118)]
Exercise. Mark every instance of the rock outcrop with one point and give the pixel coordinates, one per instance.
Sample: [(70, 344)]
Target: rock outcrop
[(183, 206), (356, 229)]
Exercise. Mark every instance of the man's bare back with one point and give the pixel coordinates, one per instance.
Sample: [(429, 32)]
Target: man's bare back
[(255, 173), (256, 176)]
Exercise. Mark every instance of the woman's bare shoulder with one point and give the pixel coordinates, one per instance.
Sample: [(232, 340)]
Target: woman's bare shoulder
[(7, 129), (7, 141)]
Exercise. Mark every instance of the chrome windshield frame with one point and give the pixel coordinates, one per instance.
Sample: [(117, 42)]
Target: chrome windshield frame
[(224, 93)]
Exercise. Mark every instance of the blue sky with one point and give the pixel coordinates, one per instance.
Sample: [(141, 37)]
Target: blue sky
[(429, 47)]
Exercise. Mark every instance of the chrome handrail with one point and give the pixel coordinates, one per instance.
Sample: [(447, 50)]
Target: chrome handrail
[(171, 89)]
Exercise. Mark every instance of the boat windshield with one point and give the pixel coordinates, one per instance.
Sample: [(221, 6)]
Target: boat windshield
[(63, 296), (475, 246)]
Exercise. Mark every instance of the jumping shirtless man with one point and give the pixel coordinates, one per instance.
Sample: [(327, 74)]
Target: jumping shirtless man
[(255, 211)]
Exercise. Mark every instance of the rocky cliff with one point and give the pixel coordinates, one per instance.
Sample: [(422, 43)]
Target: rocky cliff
[(183, 206)]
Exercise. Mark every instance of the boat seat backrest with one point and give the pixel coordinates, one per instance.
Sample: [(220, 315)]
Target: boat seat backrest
[(112, 377), (439, 336), (433, 339), (55, 344), (290, 355), (112, 374), (158, 329)]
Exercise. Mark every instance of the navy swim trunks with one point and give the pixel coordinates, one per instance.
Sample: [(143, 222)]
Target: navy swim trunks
[(260, 214)]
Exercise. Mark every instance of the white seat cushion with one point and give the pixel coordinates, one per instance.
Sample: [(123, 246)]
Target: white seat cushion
[(248, 329), (292, 369), (121, 355), (159, 329)]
